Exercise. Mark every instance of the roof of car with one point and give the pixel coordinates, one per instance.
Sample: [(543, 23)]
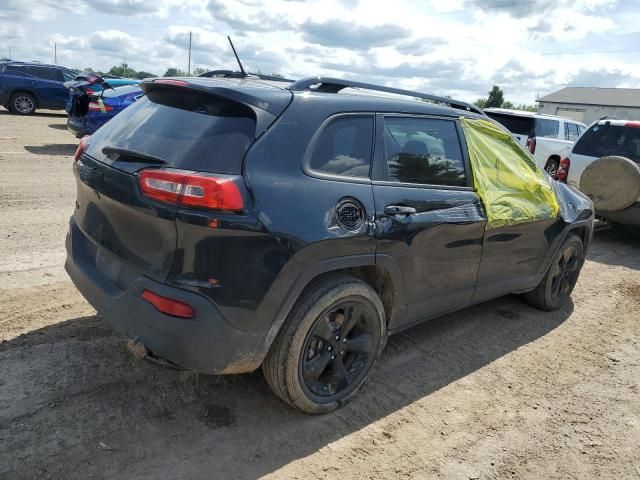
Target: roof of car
[(618, 97), (35, 64), (524, 113)]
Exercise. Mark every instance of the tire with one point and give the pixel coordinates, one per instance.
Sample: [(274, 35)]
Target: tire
[(552, 167), (311, 364), (555, 289), (23, 104)]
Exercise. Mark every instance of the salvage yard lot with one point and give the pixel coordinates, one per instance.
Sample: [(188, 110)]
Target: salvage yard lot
[(498, 390)]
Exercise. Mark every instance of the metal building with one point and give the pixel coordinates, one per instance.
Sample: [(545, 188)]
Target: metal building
[(588, 104)]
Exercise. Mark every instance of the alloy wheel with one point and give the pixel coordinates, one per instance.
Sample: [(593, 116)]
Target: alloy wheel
[(565, 272), (340, 349), (23, 104)]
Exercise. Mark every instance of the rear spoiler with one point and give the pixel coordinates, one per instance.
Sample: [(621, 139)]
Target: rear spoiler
[(266, 103)]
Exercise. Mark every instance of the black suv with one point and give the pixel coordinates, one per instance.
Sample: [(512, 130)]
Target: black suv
[(228, 224)]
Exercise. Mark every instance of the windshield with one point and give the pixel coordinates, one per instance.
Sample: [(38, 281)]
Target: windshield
[(603, 140)]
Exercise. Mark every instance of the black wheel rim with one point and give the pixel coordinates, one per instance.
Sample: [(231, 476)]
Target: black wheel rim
[(552, 169), (565, 273), (340, 349)]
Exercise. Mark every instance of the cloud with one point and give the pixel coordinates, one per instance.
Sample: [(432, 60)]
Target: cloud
[(124, 7), (340, 33), (517, 8), (253, 19), (419, 46), (112, 41), (603, 78)]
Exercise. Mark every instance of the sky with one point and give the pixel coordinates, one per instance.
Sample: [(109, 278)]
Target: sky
[(455, 47)]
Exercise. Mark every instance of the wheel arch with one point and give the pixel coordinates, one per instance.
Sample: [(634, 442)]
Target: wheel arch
[(381, 272)]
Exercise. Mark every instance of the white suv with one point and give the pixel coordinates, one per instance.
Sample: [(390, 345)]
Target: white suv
[(605, 164), (547, 137)]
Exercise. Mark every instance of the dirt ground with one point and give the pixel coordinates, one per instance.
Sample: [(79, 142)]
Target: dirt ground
[(499, 390)]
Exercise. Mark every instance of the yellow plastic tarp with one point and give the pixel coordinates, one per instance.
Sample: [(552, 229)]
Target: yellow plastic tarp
[(511, 186)]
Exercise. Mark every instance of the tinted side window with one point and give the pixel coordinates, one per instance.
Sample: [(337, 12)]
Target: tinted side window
[(571, 132), (46, 73), (425, 151), (344, 147), (513, 123), (547, 128)]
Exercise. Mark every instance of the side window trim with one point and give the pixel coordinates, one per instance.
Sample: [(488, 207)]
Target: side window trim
[(306, 159), (379, 173)]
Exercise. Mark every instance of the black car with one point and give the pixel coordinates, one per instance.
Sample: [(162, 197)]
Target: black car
[(228, 224), (25, 87)]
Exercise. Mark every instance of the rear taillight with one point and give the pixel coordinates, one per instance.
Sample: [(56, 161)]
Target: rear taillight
[(99, 106), (563, 170), (82, 146), (191, 189), (531, 145), (632, 124), (168, 305)]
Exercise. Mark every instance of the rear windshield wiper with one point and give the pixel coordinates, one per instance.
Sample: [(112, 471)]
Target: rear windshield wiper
[(126, 155)]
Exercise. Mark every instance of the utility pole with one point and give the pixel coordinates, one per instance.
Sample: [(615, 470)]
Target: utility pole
[(189, 67), (55, 53)]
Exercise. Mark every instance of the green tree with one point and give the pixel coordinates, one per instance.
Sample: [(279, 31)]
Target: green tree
[(508, 104), (199, 71), (122, 71), (142, 74), (496, 98), (480, 103), (174, 72)]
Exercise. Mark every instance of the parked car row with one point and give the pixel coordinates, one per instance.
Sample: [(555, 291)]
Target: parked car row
[(602, 160)]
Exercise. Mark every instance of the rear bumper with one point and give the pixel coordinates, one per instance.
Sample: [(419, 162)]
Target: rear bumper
[(205, 343), (77, 127), (629, 216)]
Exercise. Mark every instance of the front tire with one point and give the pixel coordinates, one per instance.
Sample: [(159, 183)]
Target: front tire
[(555, 289), (328, 346), (22, 104)]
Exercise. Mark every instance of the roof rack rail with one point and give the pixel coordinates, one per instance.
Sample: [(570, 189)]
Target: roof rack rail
[(334, 85), (232, 74)]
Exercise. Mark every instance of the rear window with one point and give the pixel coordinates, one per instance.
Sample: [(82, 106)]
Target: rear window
[(546, 128), (513, 123), (187, 129), (603, 140)]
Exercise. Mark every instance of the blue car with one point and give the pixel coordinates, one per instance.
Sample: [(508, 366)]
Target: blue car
[(90, 110), (26, 86)]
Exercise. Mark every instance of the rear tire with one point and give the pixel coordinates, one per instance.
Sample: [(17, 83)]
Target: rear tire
[(22, 104), (328, 346), (555, 289)]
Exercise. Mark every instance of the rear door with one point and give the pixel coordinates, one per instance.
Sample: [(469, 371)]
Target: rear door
[(168, 128), (428, 218), (47, 82)]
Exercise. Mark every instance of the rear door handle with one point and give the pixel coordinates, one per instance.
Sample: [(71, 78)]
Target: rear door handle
[(398, 210)]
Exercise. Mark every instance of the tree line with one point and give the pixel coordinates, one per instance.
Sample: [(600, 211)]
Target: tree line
[(496, 100), (125, 71)]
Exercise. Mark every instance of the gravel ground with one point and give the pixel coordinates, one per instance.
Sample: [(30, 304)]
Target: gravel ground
[(499, 390)]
